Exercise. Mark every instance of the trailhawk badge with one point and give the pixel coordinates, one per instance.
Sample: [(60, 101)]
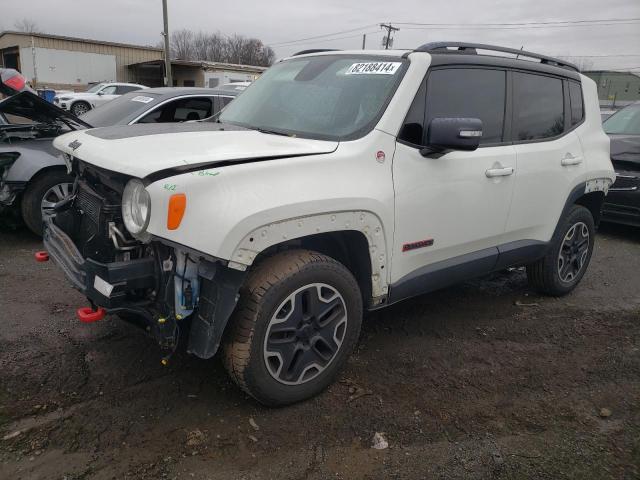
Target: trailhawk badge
[(74, 145)]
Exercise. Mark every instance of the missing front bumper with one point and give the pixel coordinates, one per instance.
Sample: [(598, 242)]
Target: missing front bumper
[(108, 285)]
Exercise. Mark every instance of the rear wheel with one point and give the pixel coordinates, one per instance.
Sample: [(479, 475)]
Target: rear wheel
[(297, 321), (564, 265), (41, 196), (80, 108)]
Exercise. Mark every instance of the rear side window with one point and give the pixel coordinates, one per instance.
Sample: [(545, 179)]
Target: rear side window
[(469, 92), (577, 109), (538, 104), (122, 89)]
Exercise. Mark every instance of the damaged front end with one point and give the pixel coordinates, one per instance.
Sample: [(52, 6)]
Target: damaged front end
[(8, 192), (165, 287)]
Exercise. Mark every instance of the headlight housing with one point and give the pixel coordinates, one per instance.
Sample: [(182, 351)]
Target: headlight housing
[(136, 208), (64, 99)]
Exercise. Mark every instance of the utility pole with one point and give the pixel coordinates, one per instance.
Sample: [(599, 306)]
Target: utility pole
[(168, 81), (364, 41), (387, 40)]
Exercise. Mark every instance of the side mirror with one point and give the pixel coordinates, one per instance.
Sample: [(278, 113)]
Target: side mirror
[(453, 134)]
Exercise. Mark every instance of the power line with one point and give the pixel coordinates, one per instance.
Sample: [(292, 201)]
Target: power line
[(477, 26), (322, 36), (556, 22), (358, 35)]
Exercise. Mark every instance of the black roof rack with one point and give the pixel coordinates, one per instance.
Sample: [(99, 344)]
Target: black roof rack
[(472, 49), (315, 50)]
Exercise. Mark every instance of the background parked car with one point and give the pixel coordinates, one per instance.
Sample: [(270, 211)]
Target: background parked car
[(33, 177), (81, 102), (161, 105), (622, 205)]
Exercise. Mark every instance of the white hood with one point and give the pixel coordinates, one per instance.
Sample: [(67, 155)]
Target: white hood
[(141, 150)]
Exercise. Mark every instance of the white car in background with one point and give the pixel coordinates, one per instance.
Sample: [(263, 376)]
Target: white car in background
[(81, 102)]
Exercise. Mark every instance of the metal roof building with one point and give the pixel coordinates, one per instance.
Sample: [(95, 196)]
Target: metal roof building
[(61, 62), (616, 88)]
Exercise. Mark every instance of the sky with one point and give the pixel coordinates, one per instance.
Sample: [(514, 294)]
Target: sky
[(279, 23)]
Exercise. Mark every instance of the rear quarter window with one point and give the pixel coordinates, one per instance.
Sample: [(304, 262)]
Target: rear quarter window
[(577, 105)]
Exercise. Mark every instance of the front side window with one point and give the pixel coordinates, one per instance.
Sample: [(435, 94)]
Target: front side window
[(96, 88), (469, 93), (538, 103), (624, 122), (330, 97), (110, 90)]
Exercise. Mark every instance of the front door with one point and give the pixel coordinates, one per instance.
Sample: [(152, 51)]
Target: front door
[(451, 210)]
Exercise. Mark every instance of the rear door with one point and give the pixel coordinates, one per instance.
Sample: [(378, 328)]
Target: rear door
[(451, 207), (549, 153)]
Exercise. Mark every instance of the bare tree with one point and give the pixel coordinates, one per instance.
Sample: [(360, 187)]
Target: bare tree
[(26, 25), (215, 47), (182, 44)]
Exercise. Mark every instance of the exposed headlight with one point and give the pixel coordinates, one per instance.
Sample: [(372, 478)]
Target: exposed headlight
[(136, 208), (64, 99)]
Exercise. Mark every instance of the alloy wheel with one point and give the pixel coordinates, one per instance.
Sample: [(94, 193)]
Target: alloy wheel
[(305, 334), (54, 195), (573, 252)]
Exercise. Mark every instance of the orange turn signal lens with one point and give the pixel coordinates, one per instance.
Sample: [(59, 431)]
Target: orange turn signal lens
[(177, 206)]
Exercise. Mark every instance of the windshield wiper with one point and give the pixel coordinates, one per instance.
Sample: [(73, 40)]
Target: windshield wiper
[(272, 132)]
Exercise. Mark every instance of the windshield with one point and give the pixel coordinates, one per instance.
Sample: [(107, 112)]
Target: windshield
[(624, 122), (120, 110), (328, 97), (95, 88)]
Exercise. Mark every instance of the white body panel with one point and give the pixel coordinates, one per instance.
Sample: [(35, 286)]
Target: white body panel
[(451, 201), (143, 155), (227, 203)]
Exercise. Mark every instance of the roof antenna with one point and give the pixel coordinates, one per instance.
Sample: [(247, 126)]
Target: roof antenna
[(521, 49)]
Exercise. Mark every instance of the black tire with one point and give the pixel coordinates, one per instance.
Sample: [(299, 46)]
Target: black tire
[(80, 107), (273, 283), (34, 195), (545, 274)]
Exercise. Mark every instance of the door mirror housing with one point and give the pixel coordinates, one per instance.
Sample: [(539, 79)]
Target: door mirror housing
[(453, 134), (100, 93)]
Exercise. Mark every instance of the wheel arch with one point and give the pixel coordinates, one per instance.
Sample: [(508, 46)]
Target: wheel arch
[(593, 202), (354, 238)]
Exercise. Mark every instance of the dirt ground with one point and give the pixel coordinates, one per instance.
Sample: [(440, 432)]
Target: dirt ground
[(483, 380)]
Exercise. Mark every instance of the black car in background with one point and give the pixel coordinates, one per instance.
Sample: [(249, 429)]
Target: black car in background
[(622, 205)]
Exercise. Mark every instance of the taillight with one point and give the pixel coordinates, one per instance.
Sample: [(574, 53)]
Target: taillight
[(177, 206), (17, 82)]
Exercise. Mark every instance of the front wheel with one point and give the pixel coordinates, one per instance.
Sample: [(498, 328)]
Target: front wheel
[(564, 265), (80, 108), (296, 323)]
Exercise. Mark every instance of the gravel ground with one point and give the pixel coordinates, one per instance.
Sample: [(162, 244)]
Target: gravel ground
[(483, 380)]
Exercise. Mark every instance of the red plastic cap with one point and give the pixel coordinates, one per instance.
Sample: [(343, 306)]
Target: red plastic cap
[(89, 315), (42, 256)]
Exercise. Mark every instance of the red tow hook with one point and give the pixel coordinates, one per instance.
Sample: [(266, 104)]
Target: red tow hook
[(89, 315), (42, 256)]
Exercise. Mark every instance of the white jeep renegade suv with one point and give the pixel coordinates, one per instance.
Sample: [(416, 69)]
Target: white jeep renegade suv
[(339, 182)]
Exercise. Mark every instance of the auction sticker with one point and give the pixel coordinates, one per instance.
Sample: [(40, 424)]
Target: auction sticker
[(142, 99), (373, 68)]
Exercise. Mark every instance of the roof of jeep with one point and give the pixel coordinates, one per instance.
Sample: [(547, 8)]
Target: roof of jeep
[(458, 58)]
